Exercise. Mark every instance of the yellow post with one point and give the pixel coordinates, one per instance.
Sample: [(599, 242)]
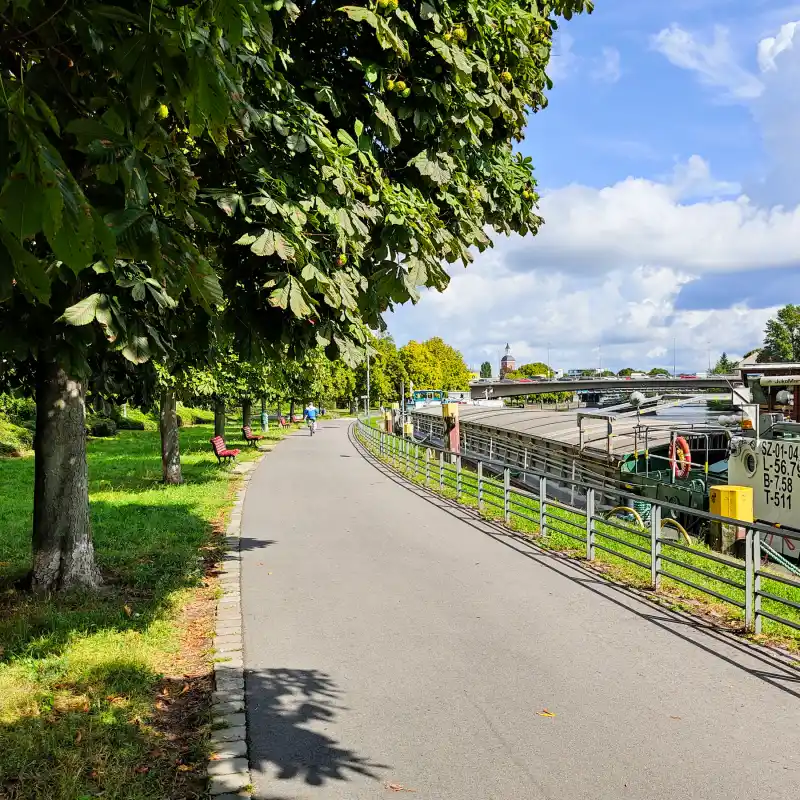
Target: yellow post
[(387, 421), (734, 502), (408, 430)]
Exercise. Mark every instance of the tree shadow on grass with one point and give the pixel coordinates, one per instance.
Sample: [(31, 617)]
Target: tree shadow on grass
[(146, 553), (286, 710), (101, 736)]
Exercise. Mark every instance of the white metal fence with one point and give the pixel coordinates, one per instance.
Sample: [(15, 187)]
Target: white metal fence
[(647, 537)]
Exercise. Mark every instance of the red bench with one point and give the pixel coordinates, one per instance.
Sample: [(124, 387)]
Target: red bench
[(250, 437), (221, 451)]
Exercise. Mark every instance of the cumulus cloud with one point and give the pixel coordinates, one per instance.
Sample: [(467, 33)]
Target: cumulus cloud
[(607, 270)]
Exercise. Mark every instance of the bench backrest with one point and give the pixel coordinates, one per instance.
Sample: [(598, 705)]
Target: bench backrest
[(218, 443), (247, 430)]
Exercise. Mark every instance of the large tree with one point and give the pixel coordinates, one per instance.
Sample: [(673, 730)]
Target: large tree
[(347, 152), (782, 336), (486, 370), (724, 365)]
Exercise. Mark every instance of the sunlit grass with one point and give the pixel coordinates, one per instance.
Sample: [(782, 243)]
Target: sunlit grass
[(79, 672)]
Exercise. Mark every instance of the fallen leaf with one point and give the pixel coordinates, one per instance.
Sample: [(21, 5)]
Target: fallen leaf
[(127, 610), (674, 717), (78, 737), (398, 787), (545, 713), (184, 768), (143, 770), (185, 688), (161, 705)]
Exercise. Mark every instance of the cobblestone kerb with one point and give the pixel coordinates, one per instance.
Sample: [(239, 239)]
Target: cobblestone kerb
[(229, 768)]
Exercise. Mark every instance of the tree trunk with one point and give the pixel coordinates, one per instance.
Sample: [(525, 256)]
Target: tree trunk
[(291, 411), (264, 415), (219, 417), (63, 554), (170, 442), (247, 413)]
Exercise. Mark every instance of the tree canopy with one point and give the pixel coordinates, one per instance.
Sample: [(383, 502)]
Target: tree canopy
[(782, 336), (486, 370), (291, 170), (435, 365), (531, 371), (724, 365)]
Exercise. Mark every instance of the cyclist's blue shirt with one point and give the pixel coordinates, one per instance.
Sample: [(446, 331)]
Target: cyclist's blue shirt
[(311, 413)]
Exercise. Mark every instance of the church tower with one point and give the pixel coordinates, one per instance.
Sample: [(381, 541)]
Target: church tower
[(507, 363)]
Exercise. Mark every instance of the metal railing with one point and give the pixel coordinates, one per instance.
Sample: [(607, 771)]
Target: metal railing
[(644, 541)]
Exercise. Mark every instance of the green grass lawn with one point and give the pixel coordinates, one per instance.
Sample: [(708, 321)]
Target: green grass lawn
[(80, 673), (525, 520)]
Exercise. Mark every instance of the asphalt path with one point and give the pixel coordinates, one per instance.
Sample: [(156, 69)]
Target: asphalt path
[(394, 640)]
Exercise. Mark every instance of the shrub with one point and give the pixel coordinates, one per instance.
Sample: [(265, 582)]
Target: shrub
[(128, 424), (14, 439), (101, 426), (18, 409), (196, 416)]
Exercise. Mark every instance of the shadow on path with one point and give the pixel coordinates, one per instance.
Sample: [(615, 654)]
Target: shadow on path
[(283, 707), (778, 671)]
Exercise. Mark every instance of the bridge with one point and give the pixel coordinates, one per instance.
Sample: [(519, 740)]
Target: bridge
[(508, 388)]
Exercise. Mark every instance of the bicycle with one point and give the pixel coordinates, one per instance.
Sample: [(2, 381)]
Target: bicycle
[(312, 426)]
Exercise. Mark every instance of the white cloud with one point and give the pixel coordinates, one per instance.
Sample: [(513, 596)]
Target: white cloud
[(771, 95), (771, 47), (606, 269), (714, 61), (609, 67)]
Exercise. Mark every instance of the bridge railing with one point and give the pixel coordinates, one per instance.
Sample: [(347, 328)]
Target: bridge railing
[(647, 542)]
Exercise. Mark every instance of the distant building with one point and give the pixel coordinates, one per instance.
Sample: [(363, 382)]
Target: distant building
[(507, 363)]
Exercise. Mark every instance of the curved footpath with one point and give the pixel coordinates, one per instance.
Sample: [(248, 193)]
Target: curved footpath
[(392, 640)]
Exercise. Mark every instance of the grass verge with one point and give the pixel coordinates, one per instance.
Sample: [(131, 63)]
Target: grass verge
[(107, 694), (565, 532)]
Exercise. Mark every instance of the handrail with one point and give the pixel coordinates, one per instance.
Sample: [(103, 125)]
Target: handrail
[(404, 455)]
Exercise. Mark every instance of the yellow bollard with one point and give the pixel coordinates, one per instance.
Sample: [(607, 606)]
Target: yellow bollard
[(734, 502)]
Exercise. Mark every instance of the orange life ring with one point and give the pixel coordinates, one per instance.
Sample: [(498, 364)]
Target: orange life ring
[(680, 457)]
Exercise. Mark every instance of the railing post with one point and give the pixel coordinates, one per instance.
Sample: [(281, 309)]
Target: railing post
[(590, 524), (480, 486), (757, 581), (458, 477), (507, 495), (749, 579), (542, 506), (427, 467), (407, 448), (441, 470), (381, 443), (655, 546)]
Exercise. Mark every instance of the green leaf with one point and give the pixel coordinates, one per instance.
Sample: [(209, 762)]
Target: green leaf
[(430, 167), (22, 207), (264, 245), (389, 40), (441, 47), (280, 296), (460, 60), (119, 222), (229, 203), (346, 139), (402, 14), (387, 118), (297, 143), (358, 127), (359, 14), (246, 239), (427, 10), (49, 116), (83, 312), (297, 299), (137, 350), (28, 270)]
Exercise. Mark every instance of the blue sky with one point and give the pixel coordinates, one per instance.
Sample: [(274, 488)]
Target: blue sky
[(670, 187)]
